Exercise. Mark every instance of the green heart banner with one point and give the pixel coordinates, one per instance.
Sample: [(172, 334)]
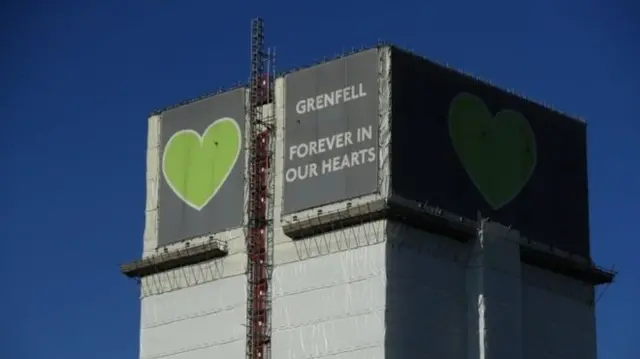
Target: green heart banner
[(195, 166), (498, 152)]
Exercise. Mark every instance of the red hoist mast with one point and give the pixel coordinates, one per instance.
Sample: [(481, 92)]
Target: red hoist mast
[(259, 231)]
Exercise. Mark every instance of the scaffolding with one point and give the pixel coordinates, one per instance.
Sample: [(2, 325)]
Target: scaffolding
[(259, 229), (166, 261)]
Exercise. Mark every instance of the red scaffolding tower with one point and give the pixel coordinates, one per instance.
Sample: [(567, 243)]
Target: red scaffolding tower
[(259, 231)]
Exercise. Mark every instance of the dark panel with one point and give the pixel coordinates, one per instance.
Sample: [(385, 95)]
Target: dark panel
[(524, 165)]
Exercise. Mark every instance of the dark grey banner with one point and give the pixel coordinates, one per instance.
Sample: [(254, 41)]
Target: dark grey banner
[(331, 132), (201, 190)]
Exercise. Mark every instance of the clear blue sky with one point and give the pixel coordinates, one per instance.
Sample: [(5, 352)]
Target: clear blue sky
[(80, 77)]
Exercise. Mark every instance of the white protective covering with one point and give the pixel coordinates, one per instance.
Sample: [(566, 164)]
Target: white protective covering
[(379, 290), (331, 305), (203, 321)]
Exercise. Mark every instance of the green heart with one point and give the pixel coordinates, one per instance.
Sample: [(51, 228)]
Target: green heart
[(499, 153), (196, 167)]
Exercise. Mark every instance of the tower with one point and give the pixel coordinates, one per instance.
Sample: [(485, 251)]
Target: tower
[(382, 206)]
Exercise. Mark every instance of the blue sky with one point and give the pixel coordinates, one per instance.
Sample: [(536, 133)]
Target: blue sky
[(79, 79)]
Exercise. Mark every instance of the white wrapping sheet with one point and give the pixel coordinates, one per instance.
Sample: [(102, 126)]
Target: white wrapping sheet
[(331, 305), (203, 321)]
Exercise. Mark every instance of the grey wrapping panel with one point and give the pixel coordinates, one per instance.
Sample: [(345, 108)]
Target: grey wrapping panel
[(331, 132), (202, 165)]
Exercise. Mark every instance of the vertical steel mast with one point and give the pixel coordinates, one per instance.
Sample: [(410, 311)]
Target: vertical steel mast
[(259, 231)]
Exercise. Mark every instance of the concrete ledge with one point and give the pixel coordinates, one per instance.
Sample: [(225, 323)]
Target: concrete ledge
[(323, 222), (414, 214), (163, 262), (438, 221), (423, 217), (570, 266), (431, 219)]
